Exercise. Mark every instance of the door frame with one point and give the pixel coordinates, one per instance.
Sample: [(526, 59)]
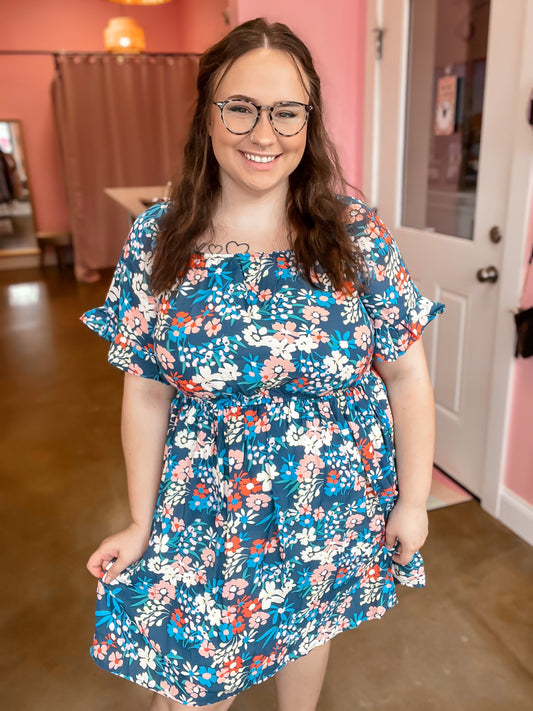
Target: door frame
[(383, 161)]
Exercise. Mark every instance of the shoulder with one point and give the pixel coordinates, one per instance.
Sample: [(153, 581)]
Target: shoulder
[(364, 226), (145, 228)]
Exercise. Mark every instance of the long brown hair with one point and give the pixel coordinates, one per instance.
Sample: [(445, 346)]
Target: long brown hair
[(314, 212)]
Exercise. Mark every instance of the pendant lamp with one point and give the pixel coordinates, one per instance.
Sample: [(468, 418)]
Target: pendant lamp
[(140, 2), (124, 36)]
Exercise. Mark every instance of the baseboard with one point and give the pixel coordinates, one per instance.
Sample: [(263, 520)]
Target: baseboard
[(517, 514), (19, 261)]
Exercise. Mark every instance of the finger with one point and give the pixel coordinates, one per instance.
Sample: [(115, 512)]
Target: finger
[(98, 561), (113, 570), (390, 540), (403, 557)]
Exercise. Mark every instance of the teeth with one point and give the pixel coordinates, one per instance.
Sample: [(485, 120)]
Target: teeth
[(259, 159)]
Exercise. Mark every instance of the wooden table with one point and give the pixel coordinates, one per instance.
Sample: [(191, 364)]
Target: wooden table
[(131, 198)]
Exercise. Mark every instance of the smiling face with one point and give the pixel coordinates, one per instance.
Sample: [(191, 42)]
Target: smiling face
[(262, 163)]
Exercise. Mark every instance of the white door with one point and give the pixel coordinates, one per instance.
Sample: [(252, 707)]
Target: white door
[(441, 116)]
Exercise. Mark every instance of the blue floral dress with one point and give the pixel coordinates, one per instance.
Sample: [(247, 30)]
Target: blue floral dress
[(279, 473)]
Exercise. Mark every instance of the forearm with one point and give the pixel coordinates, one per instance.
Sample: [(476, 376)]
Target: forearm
[(411, 400), (144, 425)]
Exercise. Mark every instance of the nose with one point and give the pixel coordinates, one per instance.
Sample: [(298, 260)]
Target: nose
[(263, 132)]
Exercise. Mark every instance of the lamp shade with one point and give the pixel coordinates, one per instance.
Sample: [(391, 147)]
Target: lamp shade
[(124, 35), (140, 2)]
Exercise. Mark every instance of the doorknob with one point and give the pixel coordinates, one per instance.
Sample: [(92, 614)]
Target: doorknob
[(487, 274)]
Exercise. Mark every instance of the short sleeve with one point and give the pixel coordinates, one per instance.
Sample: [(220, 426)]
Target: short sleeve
[(128, 315), (398, 311)]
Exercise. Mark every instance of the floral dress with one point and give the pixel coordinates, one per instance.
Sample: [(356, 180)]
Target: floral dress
[(279, 466)]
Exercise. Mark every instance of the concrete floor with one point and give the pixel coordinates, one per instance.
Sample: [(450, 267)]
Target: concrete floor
[(463, 643)]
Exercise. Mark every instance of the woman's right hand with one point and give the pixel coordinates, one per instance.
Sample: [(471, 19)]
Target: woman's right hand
[(124, 548)]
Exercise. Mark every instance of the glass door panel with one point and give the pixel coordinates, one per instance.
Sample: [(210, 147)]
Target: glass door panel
[(444, 111)]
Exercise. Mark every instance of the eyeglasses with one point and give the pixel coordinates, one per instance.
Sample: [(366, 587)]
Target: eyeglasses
[(286, 117)]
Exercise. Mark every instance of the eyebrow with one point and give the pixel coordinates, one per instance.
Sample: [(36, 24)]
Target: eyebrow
[(254, 101)]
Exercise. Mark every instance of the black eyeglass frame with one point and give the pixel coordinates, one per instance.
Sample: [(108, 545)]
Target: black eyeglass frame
[(222, 104)]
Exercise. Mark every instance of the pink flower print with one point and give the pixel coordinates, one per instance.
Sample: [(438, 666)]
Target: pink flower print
[(182, 564), (183, 470), (233, 588), (201, 440), (403, 342), (162, 592), (286, 331), (194, 325), (380, 272), (258, 619), (315, 314), (177, 525), (354, 520), (135, 369), (319, 336), (314, 429), (325, 632), (265, 295), (212, 327), (206, 649), (374, 613), (276, 369), (208, 557), (262, 423), (115, 660), (309, 466), (100, 590), (135, 322), (194, 690), (321, 573), (165, 358), (255, 502), (335, 543), (170, 690), (318, 513), (228, 615), (100, 650), (236, 458), (353, 213), (362, 336), (376, 523), (390, 315), (195, 276)]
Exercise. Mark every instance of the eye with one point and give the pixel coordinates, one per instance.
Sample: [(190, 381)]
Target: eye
[(240, 108), (287, 112)]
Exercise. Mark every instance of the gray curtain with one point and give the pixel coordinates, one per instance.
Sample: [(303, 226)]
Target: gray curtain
[(121, 122)]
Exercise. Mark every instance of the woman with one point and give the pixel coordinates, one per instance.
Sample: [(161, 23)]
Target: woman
[(271, 323)]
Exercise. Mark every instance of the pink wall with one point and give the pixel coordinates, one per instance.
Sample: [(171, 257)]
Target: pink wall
[(519, 469), (335, 35), (180, 26)]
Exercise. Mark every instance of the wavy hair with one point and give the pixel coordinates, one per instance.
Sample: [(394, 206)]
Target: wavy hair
[(314, 211)]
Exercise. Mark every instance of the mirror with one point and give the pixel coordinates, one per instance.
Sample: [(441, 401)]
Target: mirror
[(17, 225)]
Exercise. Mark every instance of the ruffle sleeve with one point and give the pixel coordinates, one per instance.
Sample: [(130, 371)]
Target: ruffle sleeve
[(128, 316), (398, 311)]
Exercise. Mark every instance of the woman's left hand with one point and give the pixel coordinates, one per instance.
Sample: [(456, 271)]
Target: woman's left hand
[(407, 524)]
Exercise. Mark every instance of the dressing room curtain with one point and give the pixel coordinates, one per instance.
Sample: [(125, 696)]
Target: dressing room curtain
[(121, 122)]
